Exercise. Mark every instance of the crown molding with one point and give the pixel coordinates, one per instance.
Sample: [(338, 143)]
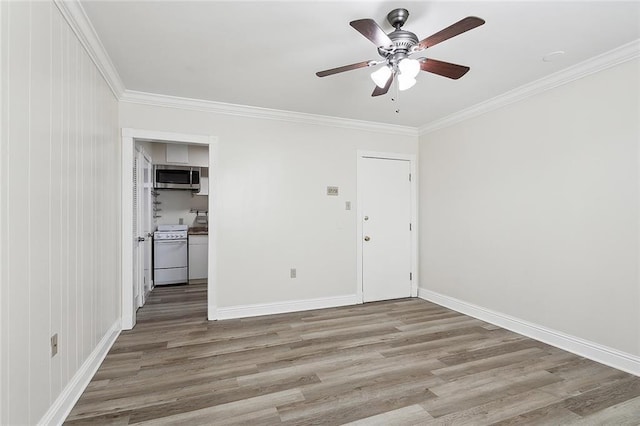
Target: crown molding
[(74, 14), (598, 63), (144, 98), (76, 17)]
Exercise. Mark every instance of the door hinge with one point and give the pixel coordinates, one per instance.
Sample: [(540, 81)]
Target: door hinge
[(409, 226), (409, 177), (410, 276)]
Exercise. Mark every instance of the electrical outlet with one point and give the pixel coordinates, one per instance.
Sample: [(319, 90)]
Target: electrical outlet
[(54, 345), (293, 272), (347, 205), (332, 190)]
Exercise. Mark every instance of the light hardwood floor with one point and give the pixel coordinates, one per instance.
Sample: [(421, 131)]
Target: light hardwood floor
[(402, 362)]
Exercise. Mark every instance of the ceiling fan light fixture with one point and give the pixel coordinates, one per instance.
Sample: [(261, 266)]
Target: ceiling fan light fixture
[(409, 67), (381, 76), (405, 82), (396, 47)]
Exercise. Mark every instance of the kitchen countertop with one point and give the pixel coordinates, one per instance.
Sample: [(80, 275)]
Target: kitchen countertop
[(199, 230)]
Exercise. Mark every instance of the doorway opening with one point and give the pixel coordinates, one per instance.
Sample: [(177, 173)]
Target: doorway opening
[(145, 210)]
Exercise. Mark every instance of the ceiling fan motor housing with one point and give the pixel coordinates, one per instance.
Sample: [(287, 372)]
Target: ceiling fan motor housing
[(403, 41)]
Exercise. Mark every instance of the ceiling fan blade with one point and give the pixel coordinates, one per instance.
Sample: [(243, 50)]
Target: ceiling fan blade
[(372, 31), (382, 90), (445, 69), (466, 24), (345, 68)]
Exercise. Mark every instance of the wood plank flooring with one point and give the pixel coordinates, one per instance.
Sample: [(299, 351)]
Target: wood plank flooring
[(402, 362)]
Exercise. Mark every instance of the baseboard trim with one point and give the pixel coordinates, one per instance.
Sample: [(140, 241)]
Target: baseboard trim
[(244, 311), (62, 406), (585, 348)]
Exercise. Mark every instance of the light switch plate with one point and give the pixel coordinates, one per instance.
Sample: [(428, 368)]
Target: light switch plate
[(54, 344)]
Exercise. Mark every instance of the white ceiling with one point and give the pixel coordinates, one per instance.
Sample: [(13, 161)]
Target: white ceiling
[(266, 53)]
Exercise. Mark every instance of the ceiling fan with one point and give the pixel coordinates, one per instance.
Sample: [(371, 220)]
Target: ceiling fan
[(396, 47)]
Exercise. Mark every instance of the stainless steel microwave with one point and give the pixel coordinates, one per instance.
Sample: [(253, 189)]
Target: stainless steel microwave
[(176, 177)]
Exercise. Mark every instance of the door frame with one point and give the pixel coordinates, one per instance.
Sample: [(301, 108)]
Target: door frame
[(128, 139), (414, 216)]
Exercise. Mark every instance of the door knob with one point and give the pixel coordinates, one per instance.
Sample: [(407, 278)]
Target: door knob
[(140, 239), (366, 218), (367, 238)]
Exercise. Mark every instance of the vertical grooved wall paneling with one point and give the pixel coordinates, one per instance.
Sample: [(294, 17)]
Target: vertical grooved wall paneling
[(4, 252), (38, 198), (59, 202)]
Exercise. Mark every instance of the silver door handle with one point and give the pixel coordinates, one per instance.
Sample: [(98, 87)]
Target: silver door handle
[(140, 239), (367, 238)]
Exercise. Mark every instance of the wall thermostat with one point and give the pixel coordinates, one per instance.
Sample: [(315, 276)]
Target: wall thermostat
[(332, 190)]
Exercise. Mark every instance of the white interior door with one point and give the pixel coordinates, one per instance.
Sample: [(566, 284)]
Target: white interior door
[(141, 227), (137, 247), (147, 225), (385, 211)]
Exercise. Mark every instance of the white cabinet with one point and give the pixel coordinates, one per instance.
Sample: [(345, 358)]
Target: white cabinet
[(177, 153), (198, 257)]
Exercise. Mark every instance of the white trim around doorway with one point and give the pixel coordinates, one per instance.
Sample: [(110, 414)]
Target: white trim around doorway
[(129, 137)]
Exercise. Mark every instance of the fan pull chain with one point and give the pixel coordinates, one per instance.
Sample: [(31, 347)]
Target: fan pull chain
[(396, 98)]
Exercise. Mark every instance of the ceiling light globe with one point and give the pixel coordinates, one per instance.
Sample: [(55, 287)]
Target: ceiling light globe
[(409, 67), (381, 76), (405, 82)]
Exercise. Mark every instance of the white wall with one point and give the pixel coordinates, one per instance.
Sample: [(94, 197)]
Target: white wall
[(59, 204), (273, 211), (177, 205), (532, 210)]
